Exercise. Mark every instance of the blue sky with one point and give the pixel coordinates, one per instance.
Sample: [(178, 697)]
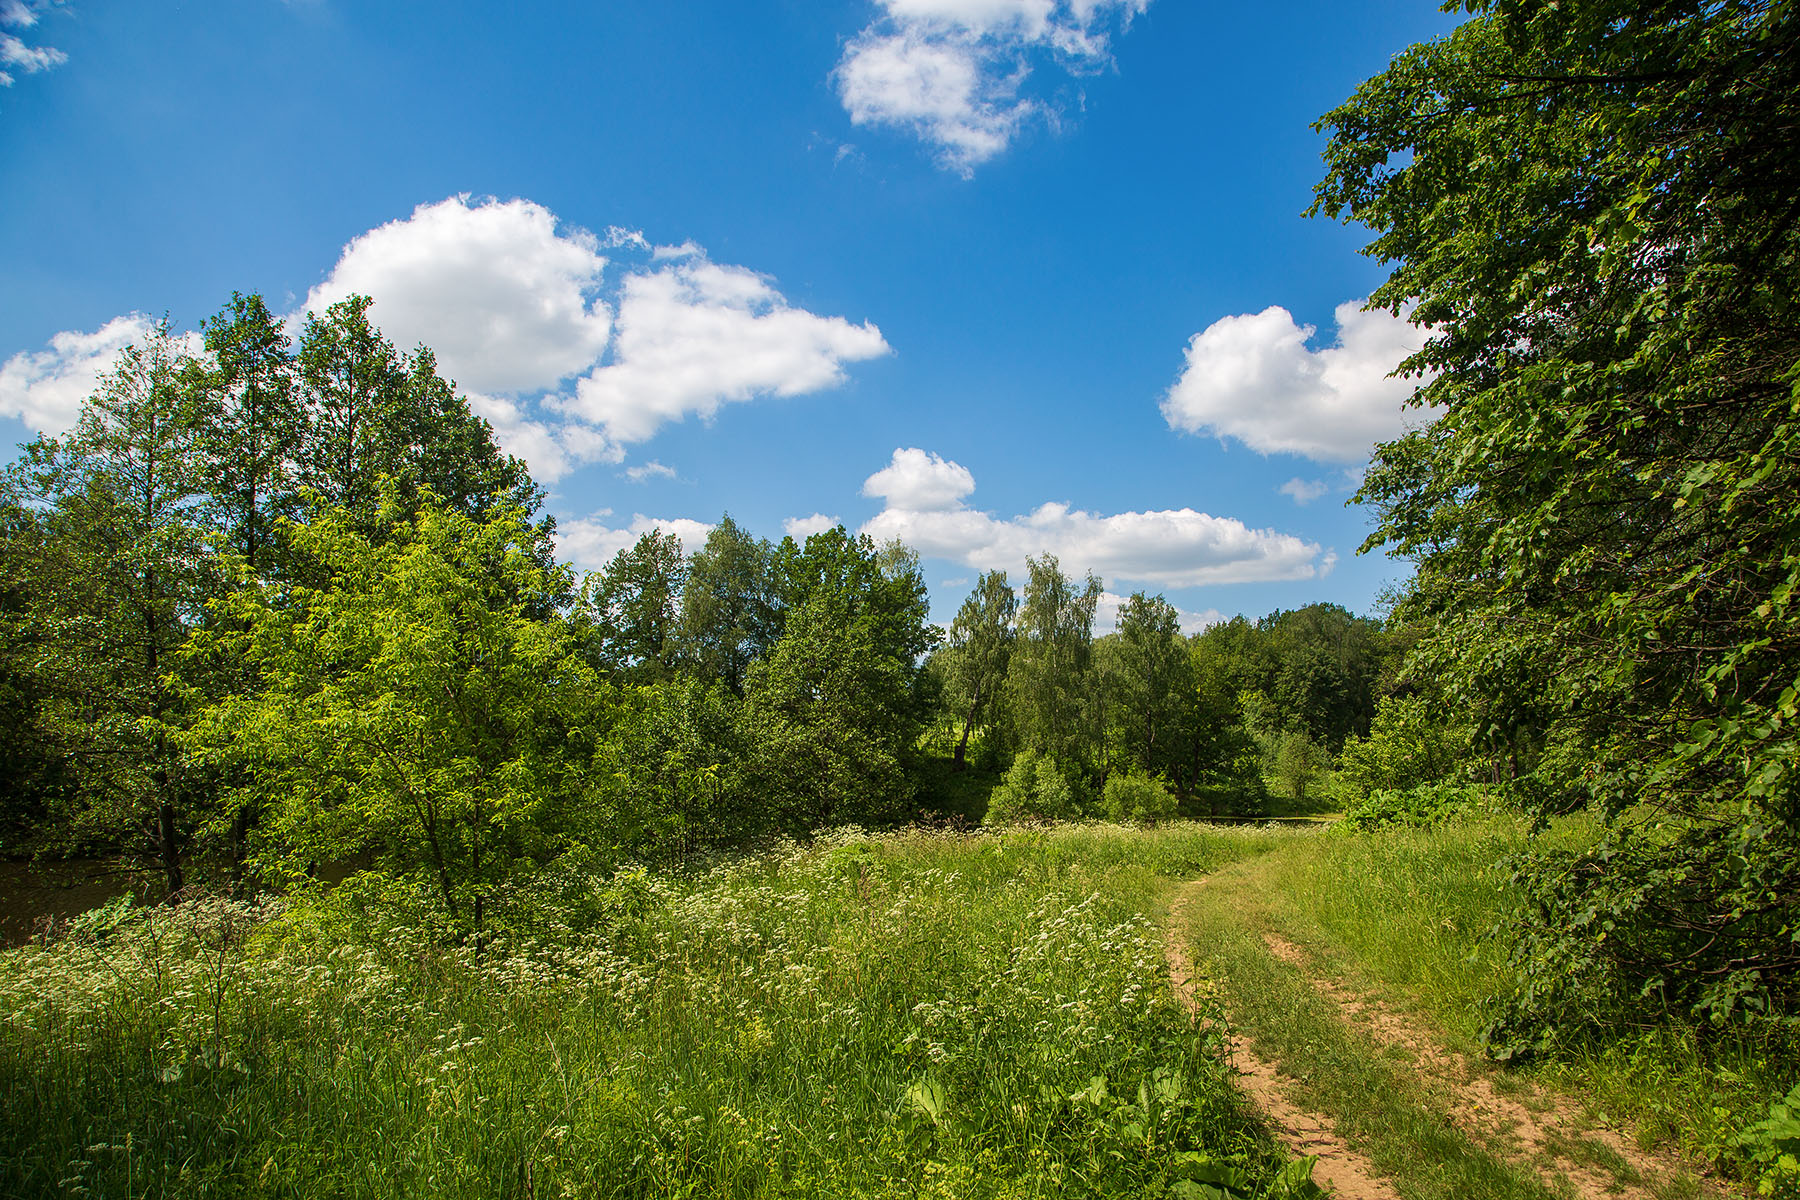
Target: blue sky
[(1000, 277)]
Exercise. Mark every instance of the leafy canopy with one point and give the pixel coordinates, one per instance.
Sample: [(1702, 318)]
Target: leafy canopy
[(1595, 209)]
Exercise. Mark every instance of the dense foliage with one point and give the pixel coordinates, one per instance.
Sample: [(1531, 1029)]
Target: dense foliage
[(1595, 209)]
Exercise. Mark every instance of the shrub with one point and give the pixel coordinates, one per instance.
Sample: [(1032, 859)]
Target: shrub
[(1773, 1146), (1648, 920), (1033, 789), (1421, 806), (1137, 798), (1409, 744)]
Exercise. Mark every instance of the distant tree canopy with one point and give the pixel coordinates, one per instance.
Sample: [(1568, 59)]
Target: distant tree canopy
[(1594, 208)]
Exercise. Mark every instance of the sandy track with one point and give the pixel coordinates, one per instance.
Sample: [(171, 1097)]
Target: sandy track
[(1340, 1168), (1526, 1125)]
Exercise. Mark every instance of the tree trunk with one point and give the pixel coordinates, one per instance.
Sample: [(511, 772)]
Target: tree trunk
[(166, 846), (241, 822), (962, 746)]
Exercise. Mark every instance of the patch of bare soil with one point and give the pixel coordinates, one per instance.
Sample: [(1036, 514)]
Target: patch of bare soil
[(1304, 1133), (1527, 1124)]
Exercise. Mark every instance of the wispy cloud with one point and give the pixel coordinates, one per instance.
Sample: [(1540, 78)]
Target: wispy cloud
[(15, 54), (956, 73), (645, 472), (1304, 491)]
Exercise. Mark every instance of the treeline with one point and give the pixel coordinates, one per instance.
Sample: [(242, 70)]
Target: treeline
[(282, 604), (273, 607), (1145, 722), (175, 491)]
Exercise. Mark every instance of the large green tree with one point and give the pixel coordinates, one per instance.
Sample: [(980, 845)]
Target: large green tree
[(727, 614), (977, 654), (414, 706), (1594, 209), (834, 710), (36, 781), (1049, 697), (123, 569), (1152, 686), (353, 385), (373, 413), (249, 424), (634, 606)]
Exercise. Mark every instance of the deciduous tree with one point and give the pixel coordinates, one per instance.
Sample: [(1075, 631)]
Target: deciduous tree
[(1048, 684), (1594, 208), (126, 568), (978, 653), (414, 706)]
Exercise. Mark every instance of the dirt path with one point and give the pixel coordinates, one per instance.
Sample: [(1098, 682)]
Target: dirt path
[(1340, 1168), (1526, 1124), (1505, 1114)]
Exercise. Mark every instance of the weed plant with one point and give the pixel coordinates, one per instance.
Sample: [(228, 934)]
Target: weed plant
[(911, 1014)]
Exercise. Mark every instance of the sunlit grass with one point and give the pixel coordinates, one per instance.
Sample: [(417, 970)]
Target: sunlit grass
[(897, 1015)]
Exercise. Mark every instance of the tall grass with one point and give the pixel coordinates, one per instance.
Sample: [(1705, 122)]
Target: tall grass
[(1410, 907), (901, 1015)]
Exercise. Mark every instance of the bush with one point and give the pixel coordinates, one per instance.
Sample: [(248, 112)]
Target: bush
[(1421, 806), (1137, 798), (1409, 744), (1649, 921), (1033, 790), (1773, 1147)]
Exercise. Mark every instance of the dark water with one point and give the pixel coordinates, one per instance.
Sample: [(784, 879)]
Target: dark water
[(1322, 819), (34, 894)]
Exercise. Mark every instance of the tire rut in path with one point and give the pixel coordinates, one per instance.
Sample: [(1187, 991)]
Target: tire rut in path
[(1528, 1125), (1347, 1173)]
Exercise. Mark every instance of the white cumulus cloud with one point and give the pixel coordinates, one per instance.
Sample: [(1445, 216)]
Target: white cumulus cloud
[(694, 336), (1254, 378), (1106, 616), (590, 542), (550, 450), (920, 482), (1167, 548), (507, 300), (571, 346), (954, 72), (801, 528), (45, 389)]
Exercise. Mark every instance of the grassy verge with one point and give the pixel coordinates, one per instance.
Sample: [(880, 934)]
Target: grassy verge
[(1378, 1104), (906, 1015), (1409, 912)]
